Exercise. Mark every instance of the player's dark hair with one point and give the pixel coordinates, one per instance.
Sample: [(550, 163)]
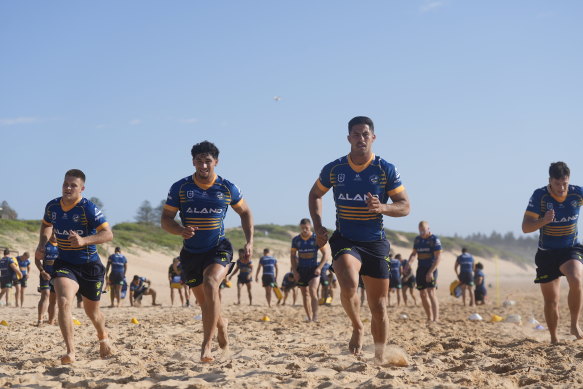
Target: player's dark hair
[(136, 277), (6, 251), (360, 120), (305, 221), (205, 147), (75, 173), (559, 170), (479, 265), (266, 251), (398, 256), (118, 250), (241, 251), (464, 250)]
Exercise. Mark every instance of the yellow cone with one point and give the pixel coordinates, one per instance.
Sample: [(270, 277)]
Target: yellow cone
[(76, 322), (265, 318), (4, 323), (135, 321), (321, 301), (496, 318), (228, 284)]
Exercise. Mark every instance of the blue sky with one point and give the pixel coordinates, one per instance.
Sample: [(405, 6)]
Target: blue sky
[(471, 100)]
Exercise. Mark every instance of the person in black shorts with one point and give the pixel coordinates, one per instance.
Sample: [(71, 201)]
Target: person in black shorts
[(78, 226), (553, 210), (362, 184), (203, 200)]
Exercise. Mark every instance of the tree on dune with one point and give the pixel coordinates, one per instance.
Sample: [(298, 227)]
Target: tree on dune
[(7, 212)]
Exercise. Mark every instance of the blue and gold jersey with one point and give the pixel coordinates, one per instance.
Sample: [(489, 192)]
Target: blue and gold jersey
[(426, 249), (268, 262), (203, 206), (84, 218), (561, 232), (395, 268), (244, 268), (306, 250), (351, 183), (23, 264), (117, 262), (141, 285), (51, 255), (466, 262)]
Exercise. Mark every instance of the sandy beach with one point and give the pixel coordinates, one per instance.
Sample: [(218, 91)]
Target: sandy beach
[(163, 349)]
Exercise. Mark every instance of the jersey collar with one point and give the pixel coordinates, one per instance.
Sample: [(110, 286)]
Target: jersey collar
[(202, 185), (70, 207), (557, 198), (359, 168)]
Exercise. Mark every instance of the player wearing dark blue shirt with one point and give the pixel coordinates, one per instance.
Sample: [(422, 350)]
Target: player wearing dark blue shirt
[(245, 268), (480, 281), (269, 277), (48, 298), (140, 287), (395, 285), (408, 280), (21, 283), (8, 267), (464, 269), (78, 226), (118, 264), (554, 211), (362, 185), (202, 200), (427, 247), (306, 268)]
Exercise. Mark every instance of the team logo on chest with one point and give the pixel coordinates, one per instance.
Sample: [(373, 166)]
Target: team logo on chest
[(374, 179), (75, 218), (53, 215), (549, 206), (189, 194), (574, 204), (341, 177), (220, 196)]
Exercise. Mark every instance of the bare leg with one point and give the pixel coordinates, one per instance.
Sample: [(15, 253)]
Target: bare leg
[(249, 293), (412, 290), (426, 304), (573, 270), (172, 296), (117, 294), (434, 303), (96, 316), (52, 307), (405, 295), (22, 290), (313, 289), (16, 294), (207, 295), (377, 290), (306, 302), (66, 289), (239, 286), (43, 304), (472, 296), (551, 292), (347, 268), (268, 295)]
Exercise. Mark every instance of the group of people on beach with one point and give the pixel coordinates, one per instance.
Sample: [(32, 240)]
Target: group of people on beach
[(362, 184)]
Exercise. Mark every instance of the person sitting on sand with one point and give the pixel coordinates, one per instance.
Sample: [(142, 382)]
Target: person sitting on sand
[(288, 285), (140, 287)]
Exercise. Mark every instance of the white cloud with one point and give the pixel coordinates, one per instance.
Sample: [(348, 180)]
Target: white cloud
[(431, 5), (18, 120), (135, 122), (189, 120)]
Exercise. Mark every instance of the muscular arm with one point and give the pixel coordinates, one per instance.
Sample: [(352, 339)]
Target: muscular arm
[(257, 274), (398, 208), (294, 260), (531, 223), (412, 257), (437, 255), (170, 225), (234, 271), (103, 235), (456, 266), (315, 206), (45, 234), (247, 224), (324, 259)]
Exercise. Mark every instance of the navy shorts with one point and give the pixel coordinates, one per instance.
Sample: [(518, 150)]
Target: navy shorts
[(306, 275), (410, 283), (548, 262), (88, 275), (422, 274), (244, 278), (395, 283), (116, 278), (324, 280), (45, 284), (467, 278), (6, 282), (267, 279), (193, 265), (374, 256), (22, 282), (480, 292)]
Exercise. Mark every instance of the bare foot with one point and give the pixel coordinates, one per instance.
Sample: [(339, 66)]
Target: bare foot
[(222, 335), (554, 340), (575, 330), (207, 359), (104, 348), (355, 344), (379, 353), (206, 354), (68, 359)]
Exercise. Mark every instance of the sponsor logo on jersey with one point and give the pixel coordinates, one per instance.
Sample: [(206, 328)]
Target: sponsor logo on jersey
[(566, 219), (66, 232), (574, 204), (357, 177), (356, 197), (65, 217), (204, 210)]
